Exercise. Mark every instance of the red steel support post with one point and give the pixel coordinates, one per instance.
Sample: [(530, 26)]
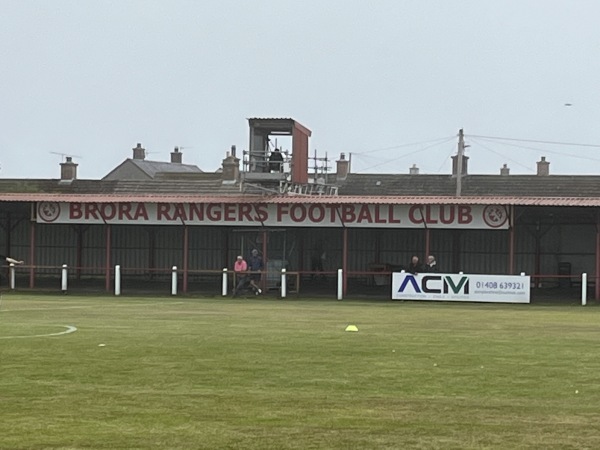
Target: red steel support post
[(345, 261), (511, 242), (107, 258), (32, 255), (597, 275), (186, 238), (263, 279), (427, 244)]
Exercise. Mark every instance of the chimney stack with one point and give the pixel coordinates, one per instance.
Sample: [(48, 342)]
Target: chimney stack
[(68, 170), (176, 156), (504, 170), (231, 169), (139, 152), (543, 167), (455, 165), (414, 170), (343, 167)]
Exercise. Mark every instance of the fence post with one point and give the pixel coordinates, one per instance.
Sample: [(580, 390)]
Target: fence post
[(117, 280), (174, 281), (283, 283), (340, 284), (63, 279), (12, 276), (583, 289), (224, 285)]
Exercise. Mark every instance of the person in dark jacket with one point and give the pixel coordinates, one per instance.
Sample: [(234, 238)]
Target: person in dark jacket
[(431, 265), (255, 265), (276, 161), (415, 266)]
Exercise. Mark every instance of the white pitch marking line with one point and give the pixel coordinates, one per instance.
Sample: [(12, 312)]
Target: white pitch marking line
[(69, 329), (46, 309)]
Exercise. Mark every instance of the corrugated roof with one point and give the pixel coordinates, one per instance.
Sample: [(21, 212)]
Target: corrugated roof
[(387, 200), (554, 190), (276, 122)]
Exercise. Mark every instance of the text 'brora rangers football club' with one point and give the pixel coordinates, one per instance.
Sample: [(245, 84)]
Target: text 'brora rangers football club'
[(281, 214)]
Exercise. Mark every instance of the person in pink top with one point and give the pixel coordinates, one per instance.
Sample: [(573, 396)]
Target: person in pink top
[(240, 267)]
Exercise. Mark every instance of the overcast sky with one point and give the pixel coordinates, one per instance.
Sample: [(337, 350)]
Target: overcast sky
[(93, 78)]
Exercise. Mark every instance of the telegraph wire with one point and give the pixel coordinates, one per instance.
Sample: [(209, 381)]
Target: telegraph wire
[(534, 141), (435, 143), (479, 144), (587, 158), (452, 150), (404, 145)]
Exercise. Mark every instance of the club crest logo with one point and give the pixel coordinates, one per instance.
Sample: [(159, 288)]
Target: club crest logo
[(495, 216), (48, 211)]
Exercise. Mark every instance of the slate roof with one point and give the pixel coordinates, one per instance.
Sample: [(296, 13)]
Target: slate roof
[(152, 168), (472, 185), (207, 186)]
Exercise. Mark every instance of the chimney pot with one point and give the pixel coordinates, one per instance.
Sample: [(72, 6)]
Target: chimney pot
[(231, 168), (68, 169), (343, 167), (176, 156), (543, 167), (139, 152), (455, 165), (414, 170), (504, 170)]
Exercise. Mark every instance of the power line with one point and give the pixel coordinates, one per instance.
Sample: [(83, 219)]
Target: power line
[(436, 142), (535, 141), (502, 155), (403, 145), (587, 158), (449, 156)]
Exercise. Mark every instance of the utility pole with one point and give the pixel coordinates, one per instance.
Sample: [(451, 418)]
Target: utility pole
[(459, 162)]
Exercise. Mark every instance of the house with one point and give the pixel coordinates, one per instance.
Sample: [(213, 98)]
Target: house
[(139, 168)]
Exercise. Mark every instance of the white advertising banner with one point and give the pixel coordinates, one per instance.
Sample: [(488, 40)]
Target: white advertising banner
[(279, 214), (449, 287)]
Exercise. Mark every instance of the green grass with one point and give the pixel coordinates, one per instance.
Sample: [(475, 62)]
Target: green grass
[(272, 374)]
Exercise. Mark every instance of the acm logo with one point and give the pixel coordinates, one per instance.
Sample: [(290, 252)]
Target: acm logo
[(436, 284)]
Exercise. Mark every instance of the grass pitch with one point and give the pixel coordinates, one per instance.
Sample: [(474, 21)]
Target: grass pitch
[(272, 374)]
